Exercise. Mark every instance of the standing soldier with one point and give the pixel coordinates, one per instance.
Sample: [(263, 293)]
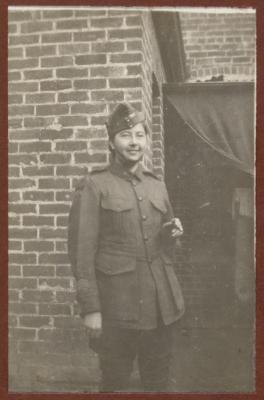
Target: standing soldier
[(121, 239)]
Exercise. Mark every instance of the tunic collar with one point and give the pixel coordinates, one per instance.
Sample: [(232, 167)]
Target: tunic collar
[(117, 169)]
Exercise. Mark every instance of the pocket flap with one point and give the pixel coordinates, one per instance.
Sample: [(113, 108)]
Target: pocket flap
[(113, 264), (116, 203), (159, 204)]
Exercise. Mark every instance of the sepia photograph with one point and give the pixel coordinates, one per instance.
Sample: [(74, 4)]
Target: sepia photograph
[(131, 199)]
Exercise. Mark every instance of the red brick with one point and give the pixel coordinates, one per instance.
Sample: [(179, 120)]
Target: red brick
[(87, 158), (71, 146), (38, 171), (53, 209), (36, 26), (40, 296), (12, 147), (23, 233), (106, 22), (61, 247), (52, 134), (88, 108), (88, 59), (38, 220), (125, 82), (57, 13), (62, 61), (15, 99), (73, 121), (19, 15), (25, 159), (90, 13), (99, 144), (23, 87), (75, 48), (13, 295), (134, 20), (63, 220), (72, 72), (98, 120), (22, 283), (72, 24), (107, 95), (72, 96), (64, 297), (40, 98), (222, 60), (90, 84), (125, 33), (36, 271), (12, 28), (34, 147), (60, 233), (23, 40), (54, 109), (37, 122), (38, 196), (34, 321), (22, 308), (15, 52), (95, 132), (22, 208), (67, 171), (14, 221), (21, 183), (109, 71), (14, 172), (12, 321), (237, 60), (18, 258), (54, 309), (54, 183), (107, 47), (56, 37), (55, 283), (20, 110), (15, 123), (23, 64), (23, 333), (38, 246), (14, 270), (40, 51), (135, 45), (14, 245), (38, 74), (55, 158), (126, 58), (88, 36), (55, 85), (134, 69), (63, 271)]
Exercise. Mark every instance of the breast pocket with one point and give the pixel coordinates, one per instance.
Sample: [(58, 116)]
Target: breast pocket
[(116, 213), (158, 210)]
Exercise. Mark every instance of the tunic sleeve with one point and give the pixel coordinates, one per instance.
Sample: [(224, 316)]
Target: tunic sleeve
[(82, 244)]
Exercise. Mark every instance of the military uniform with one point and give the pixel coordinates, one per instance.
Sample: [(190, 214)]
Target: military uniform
[(124, 268)]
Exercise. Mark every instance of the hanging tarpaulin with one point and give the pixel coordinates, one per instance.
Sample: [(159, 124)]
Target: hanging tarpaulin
[(220, 114)]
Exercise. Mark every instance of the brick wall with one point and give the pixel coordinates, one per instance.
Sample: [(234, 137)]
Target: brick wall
[(67, 70), (219, 44)]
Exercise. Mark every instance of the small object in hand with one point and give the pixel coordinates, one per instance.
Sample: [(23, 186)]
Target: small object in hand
[(173, 228)]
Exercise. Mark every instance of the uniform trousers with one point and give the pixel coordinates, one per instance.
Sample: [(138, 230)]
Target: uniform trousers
[(119, 347)]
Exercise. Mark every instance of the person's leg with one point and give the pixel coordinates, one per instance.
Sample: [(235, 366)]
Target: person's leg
[(117, 353), (155, 351)]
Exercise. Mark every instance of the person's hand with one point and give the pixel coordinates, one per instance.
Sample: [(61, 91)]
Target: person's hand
[(173, 228), (93, 324)]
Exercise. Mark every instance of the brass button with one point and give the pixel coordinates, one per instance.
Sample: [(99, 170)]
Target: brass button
[(144, 217), (145, 237), (140, 198)]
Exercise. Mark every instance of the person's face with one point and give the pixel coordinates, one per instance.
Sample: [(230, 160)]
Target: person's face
[(129, 145)]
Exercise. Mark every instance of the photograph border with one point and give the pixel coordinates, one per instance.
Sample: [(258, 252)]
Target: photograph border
[(258, 5)]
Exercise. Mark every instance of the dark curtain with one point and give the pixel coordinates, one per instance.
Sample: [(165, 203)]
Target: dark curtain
[(222, 115)]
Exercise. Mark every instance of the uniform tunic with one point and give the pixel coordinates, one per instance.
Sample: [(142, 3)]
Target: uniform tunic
[(122, 263)]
